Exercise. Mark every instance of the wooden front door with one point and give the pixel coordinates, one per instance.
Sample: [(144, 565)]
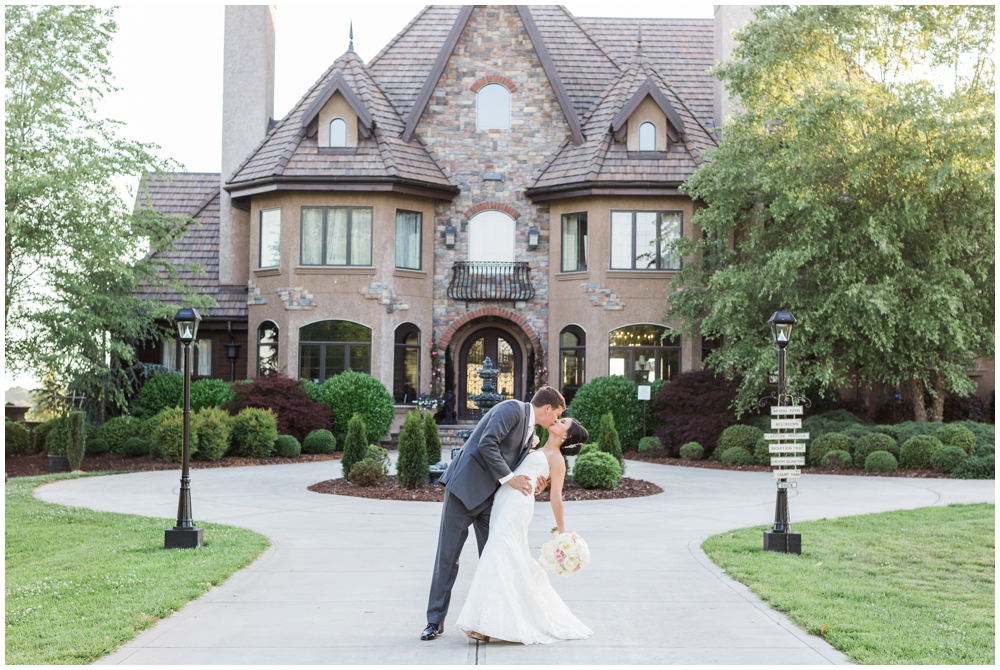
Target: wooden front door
[(505, 353)]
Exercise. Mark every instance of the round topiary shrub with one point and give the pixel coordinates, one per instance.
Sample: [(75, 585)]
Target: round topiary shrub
[(762, 452), (210, 393), (742, 436), (119, 429), (736, 456), (319, 442), (975, 467), (597, 470), (168, 435), (650, 445), (351, 393), (871, 443), (287, 446), (692, 451), (824, 444), (916, 452), (588, 447), (947, 457), (880, 461), (97, 446), (837, 460), (254, 432), (366, 472), (215, 429), (957, 435), (616, 395), (161, 391), (381, 456), (136, 446), (17, 438)]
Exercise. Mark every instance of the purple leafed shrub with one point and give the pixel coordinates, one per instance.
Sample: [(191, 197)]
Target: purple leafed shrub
[(969, 408), (298, 415), (695, 407)]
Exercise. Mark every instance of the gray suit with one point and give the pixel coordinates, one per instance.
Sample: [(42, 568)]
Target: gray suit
[(496, 447)]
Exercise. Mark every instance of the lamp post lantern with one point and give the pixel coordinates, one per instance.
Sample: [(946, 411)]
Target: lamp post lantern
[(185, 535)]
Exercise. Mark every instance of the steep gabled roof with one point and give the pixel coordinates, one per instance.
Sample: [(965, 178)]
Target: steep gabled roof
[(649, 89), (337, 84)]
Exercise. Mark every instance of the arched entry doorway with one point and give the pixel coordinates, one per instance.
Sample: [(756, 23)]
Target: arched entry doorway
[(503, 349)]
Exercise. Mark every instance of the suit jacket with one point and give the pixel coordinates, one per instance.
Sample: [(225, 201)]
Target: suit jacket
[(496, 447)]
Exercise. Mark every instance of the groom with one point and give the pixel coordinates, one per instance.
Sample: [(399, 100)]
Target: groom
[(497, 446)]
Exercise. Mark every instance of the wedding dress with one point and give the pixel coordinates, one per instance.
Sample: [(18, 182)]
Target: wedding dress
[(511, 598)]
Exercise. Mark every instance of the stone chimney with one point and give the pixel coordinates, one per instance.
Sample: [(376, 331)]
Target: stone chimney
[(247, 108), (728, 19)]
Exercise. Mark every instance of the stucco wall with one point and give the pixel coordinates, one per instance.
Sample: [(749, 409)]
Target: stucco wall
[(647, 110), (337, 107)]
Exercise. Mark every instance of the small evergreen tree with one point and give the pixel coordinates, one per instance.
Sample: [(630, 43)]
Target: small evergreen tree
[(607, 440), (355, 445), (411, 466), (432, 439), (77, 443)]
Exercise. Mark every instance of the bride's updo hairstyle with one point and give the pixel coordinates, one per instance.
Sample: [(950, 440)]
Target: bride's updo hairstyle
[(576, 437)]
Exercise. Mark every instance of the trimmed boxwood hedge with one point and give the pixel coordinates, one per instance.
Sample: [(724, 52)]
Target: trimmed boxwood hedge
[(957, 435), (597, 470), (824, 444), (287, 446), (976, 467), (616, 395), (735, 456), (254, 432), (351, 393), (837, 460), (880, 461), (871, 443), (742, 436), (319, 442), (916, 452), (947, 457), (692, 451)]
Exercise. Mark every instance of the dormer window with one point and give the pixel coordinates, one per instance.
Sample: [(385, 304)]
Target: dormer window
[(493, 107), (647, 137), (338, 133)]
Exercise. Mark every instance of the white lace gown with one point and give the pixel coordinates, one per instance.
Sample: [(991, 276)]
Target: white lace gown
[(511, 598)]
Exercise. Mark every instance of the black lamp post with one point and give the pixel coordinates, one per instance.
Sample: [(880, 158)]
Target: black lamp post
[(184, 535)]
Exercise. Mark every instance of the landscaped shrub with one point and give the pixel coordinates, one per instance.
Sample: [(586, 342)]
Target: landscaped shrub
[(356, 443), (597, 470), (40, 434), (947, 457), (880, 461), (381, 456), (588, 447), (17, 438), (432, 439), (161, 391), (97, 446), (957, 435), (607, 439), (366, 472), (168, 435), (818, 426), (351, 393), (616, 395), (254, 432), (896, 410), (57, 436), (287, 446), (904, 431), (840, 416), (214, 427), (692, 451), (119, 429), (827, 443), (916, 452), (985, 436), (319, 442), (411, 464), (135, 446), (650, 445), (695, 407), (296, 413), (837, 460), (871, 443), (736, 456), (741, 436), (210, 393), (762, 452), (653, 408), (76, 442), (976, 467), (969, 408)]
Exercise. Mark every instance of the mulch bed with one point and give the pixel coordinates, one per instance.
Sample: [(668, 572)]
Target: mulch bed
[(26, 466), (806, 469), (390, 490)]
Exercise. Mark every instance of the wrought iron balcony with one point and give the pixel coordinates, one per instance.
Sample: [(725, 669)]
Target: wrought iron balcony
[(490, 281)]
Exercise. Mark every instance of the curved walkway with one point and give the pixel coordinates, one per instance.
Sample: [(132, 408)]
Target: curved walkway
[(346, 578)]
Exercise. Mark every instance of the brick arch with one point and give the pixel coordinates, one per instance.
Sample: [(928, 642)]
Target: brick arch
[(500, 312), (493, 79), (493, 204)]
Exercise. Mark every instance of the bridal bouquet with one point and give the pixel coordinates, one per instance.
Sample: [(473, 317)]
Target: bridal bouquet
[(565, 554)]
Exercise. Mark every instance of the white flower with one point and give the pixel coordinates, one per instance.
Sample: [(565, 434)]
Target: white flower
[(572, 549), (534, 441)]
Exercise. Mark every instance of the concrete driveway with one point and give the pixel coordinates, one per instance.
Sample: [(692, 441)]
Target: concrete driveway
[(346, 579)]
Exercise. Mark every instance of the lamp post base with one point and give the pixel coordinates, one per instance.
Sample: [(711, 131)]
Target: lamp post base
[(182, 538), (786, 543)]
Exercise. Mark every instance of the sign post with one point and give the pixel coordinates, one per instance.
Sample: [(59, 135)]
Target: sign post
[(644, 390)]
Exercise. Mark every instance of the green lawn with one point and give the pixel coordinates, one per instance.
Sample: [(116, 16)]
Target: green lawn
[(912, 587), (80, 583)]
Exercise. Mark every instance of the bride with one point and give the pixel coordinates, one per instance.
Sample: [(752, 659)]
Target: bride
[(511, 598)]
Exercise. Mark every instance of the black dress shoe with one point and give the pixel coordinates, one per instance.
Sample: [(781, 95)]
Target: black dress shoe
[(431, 632)]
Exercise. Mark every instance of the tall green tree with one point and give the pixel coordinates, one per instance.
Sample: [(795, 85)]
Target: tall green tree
[(855, 187), (75, 249)]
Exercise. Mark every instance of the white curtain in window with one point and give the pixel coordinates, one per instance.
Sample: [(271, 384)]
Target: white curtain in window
[(361, 236), (312, 236), (670, 230), (493, 107), (204, 358), (571, 244), (645, 240), (491, 237), (270, 238), (621, 240), (169, 358), (336, 236), (408, 240)]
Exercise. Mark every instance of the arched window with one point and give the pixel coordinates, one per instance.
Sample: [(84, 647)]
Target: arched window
[(572, 361), (327, 348), (493, 107), (644, 353), (338, 133), (491, 237), (267, 348), (406, 364), (647, 137)]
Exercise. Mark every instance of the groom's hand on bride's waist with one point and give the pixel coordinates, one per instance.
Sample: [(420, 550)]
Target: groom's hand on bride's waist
[(522, 483)]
